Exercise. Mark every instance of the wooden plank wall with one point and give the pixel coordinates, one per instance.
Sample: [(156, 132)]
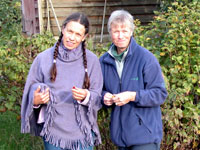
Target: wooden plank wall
[(140, 9), (30, 17)]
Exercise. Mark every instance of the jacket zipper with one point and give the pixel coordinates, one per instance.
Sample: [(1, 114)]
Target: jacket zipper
[(120, 85)]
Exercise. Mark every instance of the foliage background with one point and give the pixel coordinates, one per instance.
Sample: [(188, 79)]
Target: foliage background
[(174, 38)]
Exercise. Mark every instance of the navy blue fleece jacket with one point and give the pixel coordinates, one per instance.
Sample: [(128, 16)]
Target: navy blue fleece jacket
[(137, 122)]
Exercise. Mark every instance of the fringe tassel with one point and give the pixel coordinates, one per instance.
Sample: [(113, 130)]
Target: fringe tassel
[(89, 138), (62, 143), (28, 128), (50, 116), (96, 138)]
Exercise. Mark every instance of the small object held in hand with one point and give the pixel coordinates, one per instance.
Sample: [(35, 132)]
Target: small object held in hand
[(73, 87)]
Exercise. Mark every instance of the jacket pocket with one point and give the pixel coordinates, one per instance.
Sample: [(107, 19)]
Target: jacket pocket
[(141, 123), (135, 131)]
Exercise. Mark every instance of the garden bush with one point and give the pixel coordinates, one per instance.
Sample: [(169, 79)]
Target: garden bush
[(15, 59), (10, 19), (16, 54), (174, 37)]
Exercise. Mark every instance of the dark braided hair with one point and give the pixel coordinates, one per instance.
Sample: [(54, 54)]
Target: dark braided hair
[(86, 83), (53, 71), (83, 20)]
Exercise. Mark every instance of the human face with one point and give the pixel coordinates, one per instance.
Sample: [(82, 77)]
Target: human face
[(73, 35), (120, 35)]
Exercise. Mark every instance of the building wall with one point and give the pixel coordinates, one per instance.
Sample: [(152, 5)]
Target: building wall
[(30, 17), (94, 9)]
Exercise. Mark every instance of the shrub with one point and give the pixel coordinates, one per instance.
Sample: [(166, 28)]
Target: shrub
[(10, 18), (174, 37), (15, 59)]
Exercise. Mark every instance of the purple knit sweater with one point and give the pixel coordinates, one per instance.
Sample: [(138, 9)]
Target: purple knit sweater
[(67, 123)]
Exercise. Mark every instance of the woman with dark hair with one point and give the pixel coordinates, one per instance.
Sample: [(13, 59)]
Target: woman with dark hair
[(63, 90)]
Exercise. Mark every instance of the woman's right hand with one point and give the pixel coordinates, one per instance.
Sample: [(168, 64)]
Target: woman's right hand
[(108, 99), (41, 97)]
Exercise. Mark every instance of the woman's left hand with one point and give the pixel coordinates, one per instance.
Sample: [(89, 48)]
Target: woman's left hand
[(79, 94)]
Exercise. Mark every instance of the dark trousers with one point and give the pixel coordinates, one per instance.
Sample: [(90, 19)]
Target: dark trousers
[(152, 146)]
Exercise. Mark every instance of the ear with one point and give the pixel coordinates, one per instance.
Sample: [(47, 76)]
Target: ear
[(85, 36), (63, 30)]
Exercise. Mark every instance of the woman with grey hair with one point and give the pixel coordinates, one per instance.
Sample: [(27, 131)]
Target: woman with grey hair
[(133, 87)]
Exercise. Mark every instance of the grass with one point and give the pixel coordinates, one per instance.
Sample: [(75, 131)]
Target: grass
[(12, 139)]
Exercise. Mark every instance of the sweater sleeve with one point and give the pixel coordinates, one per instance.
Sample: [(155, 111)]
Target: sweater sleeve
[(94, 103), (104, 91), (154, 92), (34, 76), (96, 84)]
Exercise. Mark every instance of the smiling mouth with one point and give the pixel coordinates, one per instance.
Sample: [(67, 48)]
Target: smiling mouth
[(69, 43), (121, 41)]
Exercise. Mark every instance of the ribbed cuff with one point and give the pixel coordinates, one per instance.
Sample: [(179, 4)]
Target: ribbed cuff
[(86, 100)]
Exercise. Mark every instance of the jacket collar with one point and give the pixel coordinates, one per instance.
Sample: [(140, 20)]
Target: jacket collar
[(67, 55)]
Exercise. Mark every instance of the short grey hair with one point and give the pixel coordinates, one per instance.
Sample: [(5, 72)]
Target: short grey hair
[(121, 16)]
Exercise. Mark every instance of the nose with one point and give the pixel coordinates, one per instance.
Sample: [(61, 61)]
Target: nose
[(72, 37), (120, 35)]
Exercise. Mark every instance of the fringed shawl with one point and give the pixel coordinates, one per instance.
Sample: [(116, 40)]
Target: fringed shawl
[(67, 123)]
